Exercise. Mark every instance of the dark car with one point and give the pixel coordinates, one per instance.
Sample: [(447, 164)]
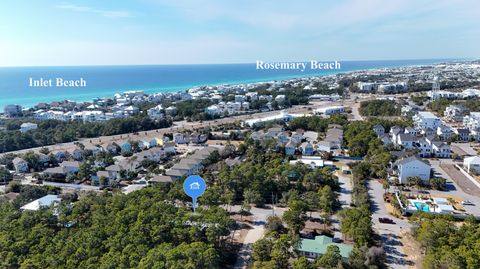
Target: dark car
[(386, 220)]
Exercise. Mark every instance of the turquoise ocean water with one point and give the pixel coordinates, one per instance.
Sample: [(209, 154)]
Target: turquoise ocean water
[(104, 81)]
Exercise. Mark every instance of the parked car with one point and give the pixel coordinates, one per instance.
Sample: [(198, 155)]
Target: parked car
[(386, 220), (466, 202)]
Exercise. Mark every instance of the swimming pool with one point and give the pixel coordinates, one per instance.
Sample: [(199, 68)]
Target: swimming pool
[(422, 206)]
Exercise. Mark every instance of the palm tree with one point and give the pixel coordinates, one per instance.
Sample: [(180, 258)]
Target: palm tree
[(428, 203), (386, 186), (434, 206)]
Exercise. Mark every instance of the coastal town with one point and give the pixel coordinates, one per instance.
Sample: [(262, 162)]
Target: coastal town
[(359, 169)]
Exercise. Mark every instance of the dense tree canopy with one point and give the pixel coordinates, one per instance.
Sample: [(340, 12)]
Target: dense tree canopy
[(50, 132), (139, 230), (448, 245), (379, 108)]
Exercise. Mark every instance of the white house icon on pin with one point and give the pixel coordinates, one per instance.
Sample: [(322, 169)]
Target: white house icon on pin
[(195, 186)]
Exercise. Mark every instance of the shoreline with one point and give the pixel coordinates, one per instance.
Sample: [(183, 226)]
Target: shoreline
[(88, 95)]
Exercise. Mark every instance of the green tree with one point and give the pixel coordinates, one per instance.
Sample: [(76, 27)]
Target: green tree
[(331, 258), (295, 215), (274, 223), (262, 249), (303, 263), (327, 199)]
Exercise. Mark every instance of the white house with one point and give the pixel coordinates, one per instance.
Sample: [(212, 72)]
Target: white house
[(444, 132), (213, 110), (424, 120), (472, 121), (156, 113), (410, 130), (412, 167), (454, 113), (366, 86), (472, 164), (280, 98), (395, 131), (330, 110), (441, 150), (283, 116), (45, 201), (424, 146), (27, 126), (171, 110), (462, 133), (406, 141)]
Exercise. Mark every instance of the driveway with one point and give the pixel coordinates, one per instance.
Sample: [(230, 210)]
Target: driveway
[(345, 194), (389, 233), (260, 216)]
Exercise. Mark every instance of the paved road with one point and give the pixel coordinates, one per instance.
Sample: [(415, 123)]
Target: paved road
[(345, 194), (466, 147), (446, 171), (389, 233), (180, 126)]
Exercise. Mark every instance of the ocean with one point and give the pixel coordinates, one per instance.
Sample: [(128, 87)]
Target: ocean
[(105, 81)]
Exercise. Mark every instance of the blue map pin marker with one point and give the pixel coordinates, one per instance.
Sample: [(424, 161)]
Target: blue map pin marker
[(194, 186)]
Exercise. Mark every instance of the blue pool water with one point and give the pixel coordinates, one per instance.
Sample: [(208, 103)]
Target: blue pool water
[(421, 206)]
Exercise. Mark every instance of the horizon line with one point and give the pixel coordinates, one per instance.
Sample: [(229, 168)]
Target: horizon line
[(233, 63)]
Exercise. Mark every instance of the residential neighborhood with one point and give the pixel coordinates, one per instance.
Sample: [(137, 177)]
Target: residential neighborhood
[(312, 170)]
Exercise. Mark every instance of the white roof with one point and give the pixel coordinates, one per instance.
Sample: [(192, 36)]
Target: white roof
[(312, 162), (444, 208), (324, 109), (472, 160), (28, 124), (427, 114), (440, 201), (45, 201)]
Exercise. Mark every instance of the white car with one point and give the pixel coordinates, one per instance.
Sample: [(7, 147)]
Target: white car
[(466, 202)]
